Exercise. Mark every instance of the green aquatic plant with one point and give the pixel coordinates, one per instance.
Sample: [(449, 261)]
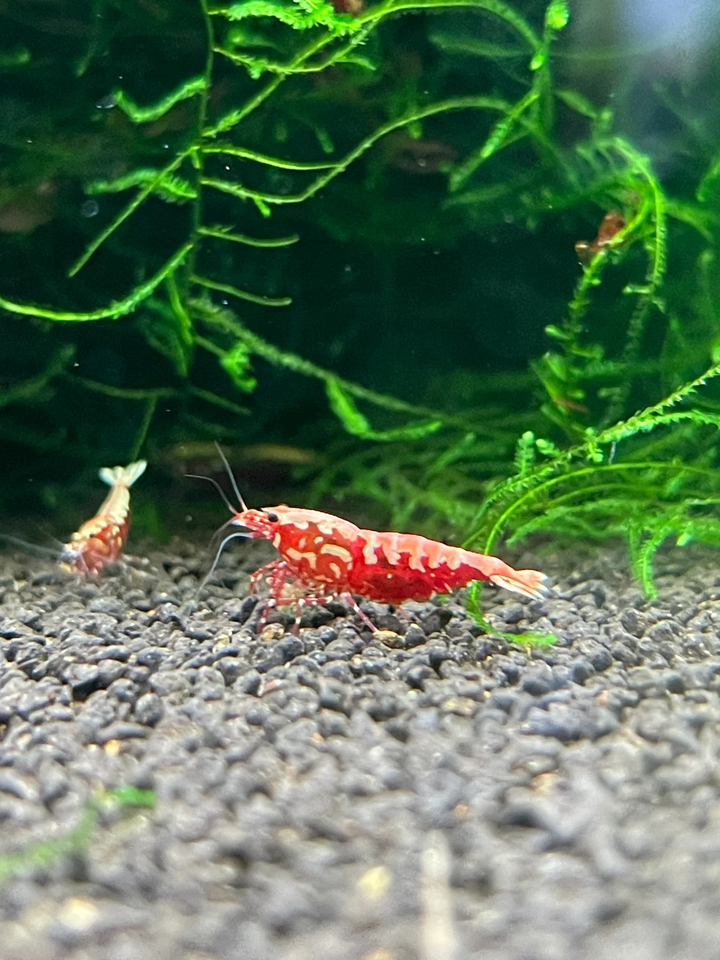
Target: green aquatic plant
[(596, 489), (45, 853), (177, 303), (597, 475)]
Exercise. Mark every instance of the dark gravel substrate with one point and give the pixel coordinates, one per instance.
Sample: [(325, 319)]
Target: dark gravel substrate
[(428, 793)]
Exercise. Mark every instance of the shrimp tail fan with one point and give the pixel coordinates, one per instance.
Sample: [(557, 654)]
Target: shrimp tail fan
[(125, 475), (530, 583)]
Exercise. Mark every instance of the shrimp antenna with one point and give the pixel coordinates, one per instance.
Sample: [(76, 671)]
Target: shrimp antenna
[(199, 476), (233, 481), (31, 547), (218, 532), (211, 571)]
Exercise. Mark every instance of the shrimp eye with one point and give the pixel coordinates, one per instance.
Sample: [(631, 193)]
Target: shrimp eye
[(272, 517)]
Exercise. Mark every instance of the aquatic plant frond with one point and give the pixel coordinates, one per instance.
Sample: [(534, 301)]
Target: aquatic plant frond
[(128, 211), (571, 491), (237, 363), (227, 233), (300, 14), (446, 106), (186, 90), (34, 387), (224, 320), (256, 65), (230, 150), (241, 294), (503, 11), (343, 406), (171, 187), (118, 308)]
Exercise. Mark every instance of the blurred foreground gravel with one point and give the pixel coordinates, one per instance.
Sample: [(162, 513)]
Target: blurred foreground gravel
[(427, 793)]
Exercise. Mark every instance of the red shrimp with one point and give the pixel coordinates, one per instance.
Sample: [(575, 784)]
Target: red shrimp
[(323, 558), (100, 541)]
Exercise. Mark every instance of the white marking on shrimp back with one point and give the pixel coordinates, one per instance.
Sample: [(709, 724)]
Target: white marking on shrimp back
[(297, 555), (369, 551), (336, 550), (390, 544), (327, 527), (421, 553)]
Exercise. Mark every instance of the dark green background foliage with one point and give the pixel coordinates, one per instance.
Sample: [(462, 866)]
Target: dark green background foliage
[(348, 232)]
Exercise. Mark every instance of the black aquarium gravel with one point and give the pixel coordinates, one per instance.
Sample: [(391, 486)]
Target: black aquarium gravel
[(427, 792)]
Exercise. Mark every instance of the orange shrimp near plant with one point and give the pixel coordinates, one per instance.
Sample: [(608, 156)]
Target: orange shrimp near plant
[(323, 558), (100, 541)]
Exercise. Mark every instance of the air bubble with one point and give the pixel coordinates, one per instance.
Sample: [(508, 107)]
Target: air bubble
[(90, 208)]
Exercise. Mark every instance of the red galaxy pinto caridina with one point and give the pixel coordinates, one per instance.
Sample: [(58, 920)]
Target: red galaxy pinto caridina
[(323, 557), (100, 541), (327, 553)]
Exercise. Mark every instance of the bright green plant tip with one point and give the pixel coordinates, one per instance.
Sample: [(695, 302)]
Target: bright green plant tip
[(557, 15), (10, 59)]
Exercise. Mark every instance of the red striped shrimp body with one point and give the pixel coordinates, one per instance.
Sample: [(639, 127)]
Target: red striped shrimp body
[(100, 541), (330, 557)]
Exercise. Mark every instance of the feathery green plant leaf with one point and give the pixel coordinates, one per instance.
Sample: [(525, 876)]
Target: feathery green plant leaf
[(298, 14), (343, 406), (185, 91), (170, 187)]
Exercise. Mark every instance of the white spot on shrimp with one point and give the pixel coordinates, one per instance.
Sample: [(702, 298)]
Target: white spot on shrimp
[(301, 524), (390, 544), (327, 527), (369, 552), (337, 551), (296, 555), (277, 540), (336, 569), (454, 558)]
